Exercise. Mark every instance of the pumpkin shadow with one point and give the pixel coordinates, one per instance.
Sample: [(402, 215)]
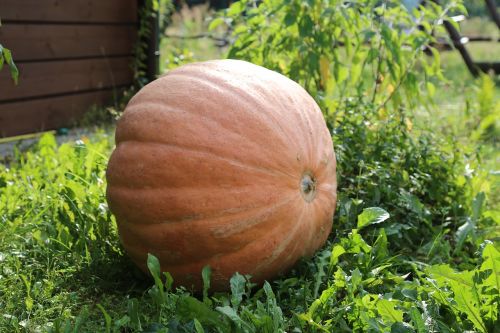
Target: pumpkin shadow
[(114, 273)]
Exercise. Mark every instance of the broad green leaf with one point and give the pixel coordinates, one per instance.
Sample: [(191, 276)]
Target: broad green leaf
[(14, 72), (466, 303), (153, 266), (372, 215), (410, 293), (400, 327), (337, 251), (491, 262), (230, 312), (339, 278), (236, 8), (169, 280), (357, 243), (387, 309), (464, 290), (198, 327), (190, 308), (356, 278), (215, 23), (237, 284), (444, 274), (157, 292), (417, 320)]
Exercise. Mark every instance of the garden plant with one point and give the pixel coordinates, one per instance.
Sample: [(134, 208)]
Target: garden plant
[(6, 58), (416, 233)]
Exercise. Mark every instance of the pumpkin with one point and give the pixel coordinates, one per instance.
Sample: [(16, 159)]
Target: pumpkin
[(222, 163)]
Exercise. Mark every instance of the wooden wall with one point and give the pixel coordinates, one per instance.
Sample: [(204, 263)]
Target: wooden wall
[(71, 54)]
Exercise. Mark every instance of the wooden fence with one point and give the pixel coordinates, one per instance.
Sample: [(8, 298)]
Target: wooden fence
[(70, 54)]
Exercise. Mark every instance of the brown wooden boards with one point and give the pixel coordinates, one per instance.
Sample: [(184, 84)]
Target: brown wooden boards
[(39, 79), (63, 41), (48, 113), (70, 54), (108, 11)]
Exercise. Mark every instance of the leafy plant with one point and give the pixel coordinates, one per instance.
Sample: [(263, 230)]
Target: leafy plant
[(6, 57), (472, 296), (369, 51), (62, 269)]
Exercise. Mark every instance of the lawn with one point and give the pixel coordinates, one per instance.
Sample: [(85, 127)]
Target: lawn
[(415, 245)]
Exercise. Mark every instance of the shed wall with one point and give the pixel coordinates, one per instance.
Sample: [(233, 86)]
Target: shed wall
[(71, 55)]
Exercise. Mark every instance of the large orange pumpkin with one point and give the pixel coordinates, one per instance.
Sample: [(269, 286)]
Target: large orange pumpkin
[(222, 163)]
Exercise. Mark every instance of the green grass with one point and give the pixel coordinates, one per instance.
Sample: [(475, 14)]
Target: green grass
[(63, 269), (414, 247)]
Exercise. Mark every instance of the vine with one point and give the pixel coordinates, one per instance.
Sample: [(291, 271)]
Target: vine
[(151, 9)]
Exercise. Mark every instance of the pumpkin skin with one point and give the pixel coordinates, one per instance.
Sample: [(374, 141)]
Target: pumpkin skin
[(222, 163)]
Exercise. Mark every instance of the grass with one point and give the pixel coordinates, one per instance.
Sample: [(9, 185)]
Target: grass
[(414, 249), (63, 269)]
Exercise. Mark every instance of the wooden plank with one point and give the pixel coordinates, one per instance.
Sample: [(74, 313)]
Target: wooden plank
[(57, 77), (111, 11), (50, 113), (37, 42)]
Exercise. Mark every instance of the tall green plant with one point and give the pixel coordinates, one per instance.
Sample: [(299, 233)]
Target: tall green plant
[(368, 50)]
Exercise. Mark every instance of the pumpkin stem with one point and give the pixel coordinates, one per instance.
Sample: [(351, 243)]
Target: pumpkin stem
[(308, 187)]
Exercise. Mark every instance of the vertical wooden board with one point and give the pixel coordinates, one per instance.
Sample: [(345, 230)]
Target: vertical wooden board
[(30, 42), (48, 113), (109, 11), (61, 77)]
